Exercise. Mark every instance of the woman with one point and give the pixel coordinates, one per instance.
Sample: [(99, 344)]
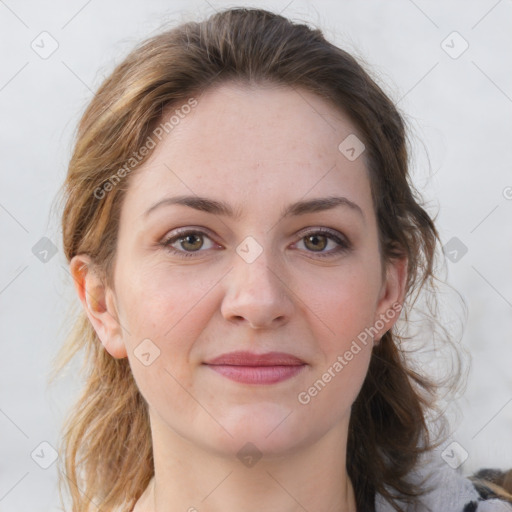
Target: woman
[(241, 333)]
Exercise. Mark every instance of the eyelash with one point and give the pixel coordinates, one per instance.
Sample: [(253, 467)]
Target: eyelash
[(343, 244)]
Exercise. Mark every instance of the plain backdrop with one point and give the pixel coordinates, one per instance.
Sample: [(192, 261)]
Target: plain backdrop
[(446, 64)]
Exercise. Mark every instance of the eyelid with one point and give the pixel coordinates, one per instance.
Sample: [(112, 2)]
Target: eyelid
[(185, 230), (324, 231)]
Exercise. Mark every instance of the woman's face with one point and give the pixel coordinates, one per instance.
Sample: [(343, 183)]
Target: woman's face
[(275, 249)]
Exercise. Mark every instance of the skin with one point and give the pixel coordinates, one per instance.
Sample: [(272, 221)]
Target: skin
[(258, 149)]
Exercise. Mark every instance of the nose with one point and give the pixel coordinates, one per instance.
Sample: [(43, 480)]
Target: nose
[(257, 294)]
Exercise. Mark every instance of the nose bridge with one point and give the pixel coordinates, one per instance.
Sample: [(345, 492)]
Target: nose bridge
[(256, 269), (255, 291)]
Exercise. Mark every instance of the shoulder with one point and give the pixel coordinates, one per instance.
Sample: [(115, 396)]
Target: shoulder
[(448, 490), (494, 489)]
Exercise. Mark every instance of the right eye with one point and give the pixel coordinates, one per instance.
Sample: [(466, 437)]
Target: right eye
[(187, 242)]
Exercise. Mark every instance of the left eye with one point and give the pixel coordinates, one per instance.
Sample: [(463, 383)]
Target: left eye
[(318, 241)]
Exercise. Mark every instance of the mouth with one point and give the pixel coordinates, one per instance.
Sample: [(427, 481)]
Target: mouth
[(251, 368)]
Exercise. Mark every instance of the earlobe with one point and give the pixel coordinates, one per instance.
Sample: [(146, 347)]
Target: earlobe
[(392, 296), (98, 302)]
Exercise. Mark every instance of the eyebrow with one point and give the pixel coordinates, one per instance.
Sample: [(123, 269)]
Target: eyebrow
[(215, 207)]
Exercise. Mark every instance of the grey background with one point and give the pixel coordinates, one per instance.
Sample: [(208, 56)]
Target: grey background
[(459, 109)]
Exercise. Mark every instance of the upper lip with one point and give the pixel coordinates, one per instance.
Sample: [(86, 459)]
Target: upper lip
[(242, 358)]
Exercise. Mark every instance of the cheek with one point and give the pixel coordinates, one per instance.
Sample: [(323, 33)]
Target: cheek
[(343, 302), (158, 300), (329, 396), (343, 307), (170, 310)]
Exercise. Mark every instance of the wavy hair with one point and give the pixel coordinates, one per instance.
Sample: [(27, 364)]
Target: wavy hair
[(106, 440)]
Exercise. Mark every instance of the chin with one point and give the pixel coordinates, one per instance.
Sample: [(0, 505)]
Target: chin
[(272, 428)]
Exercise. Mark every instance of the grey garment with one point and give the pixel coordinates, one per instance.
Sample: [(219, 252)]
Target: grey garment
[(451, 491)]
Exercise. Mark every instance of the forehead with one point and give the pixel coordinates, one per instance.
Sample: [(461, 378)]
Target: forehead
[(252, 146)]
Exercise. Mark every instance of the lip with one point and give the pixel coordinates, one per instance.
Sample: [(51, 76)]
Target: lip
[(251, 368), (243, 358)]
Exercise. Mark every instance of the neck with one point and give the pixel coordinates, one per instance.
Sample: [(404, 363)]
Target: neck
[(193, 479)]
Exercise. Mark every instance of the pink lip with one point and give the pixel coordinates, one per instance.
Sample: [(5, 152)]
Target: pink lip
[(250, 368), (242, 358)]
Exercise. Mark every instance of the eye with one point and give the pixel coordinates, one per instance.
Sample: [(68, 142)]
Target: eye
[(320, 239), (191, 242), (187, 242)]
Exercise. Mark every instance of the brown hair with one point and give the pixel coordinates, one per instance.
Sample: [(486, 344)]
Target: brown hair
[(106, 439)]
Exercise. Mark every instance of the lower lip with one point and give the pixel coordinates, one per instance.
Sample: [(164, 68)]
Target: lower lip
[(257, 374)]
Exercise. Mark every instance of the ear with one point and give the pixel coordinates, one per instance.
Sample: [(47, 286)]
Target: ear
[(391, 297), (99, 304)]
